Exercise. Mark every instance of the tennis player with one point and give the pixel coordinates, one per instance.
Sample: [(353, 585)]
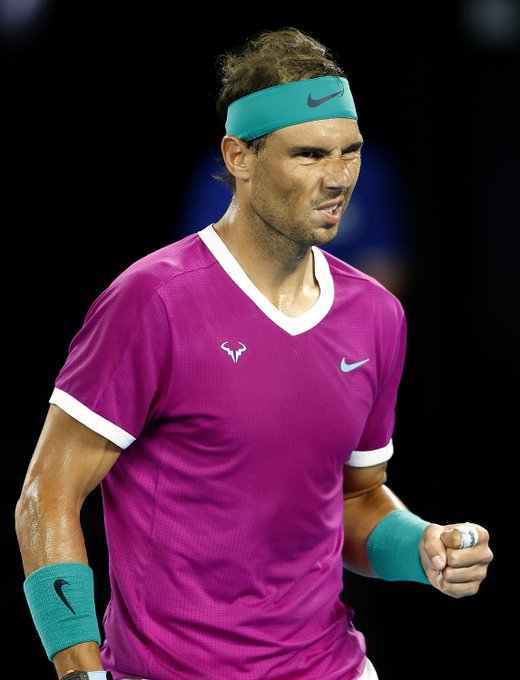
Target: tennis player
[(234, 394)]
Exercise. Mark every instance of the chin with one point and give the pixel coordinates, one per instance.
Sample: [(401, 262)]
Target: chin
[(324, 236)]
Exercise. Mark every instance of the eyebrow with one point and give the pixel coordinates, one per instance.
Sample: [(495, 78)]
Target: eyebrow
[(356, 146)]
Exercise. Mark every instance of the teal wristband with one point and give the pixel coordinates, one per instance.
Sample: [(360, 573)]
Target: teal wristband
[(393, 547), (62, 605)]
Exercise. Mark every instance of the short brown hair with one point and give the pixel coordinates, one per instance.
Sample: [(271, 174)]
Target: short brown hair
[(267, 59)]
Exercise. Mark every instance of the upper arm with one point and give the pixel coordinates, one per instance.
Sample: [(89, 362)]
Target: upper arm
[(69, 461), (358, 481), (367, 501)]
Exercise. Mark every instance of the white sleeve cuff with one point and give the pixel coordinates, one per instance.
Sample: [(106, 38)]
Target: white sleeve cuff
[(92, 420), (374, 457)]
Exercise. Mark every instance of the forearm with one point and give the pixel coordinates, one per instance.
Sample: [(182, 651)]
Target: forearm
[(70, 460), (361, 513), (48, 531), (48, 534)]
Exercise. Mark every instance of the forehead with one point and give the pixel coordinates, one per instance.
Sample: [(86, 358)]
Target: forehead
[(327, 133)]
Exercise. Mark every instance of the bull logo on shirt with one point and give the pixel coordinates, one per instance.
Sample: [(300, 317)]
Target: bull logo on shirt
[(234, 353)]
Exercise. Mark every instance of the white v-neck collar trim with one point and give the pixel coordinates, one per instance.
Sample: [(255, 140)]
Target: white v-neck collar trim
[(294, 325)]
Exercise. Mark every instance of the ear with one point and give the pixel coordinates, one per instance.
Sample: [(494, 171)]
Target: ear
[(235, 154)]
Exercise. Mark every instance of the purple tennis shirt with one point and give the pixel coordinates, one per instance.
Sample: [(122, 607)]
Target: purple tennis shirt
[(223, 514)]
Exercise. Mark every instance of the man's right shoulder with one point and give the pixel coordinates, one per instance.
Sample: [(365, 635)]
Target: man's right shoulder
[(145, 279), (161, 266)]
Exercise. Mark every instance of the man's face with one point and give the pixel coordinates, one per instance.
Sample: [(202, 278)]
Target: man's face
[(302, 180)]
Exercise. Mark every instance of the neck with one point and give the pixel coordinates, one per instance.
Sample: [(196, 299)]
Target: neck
[(280, 268)]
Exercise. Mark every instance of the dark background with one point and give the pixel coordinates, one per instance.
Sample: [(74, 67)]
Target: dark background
[(96, 153)]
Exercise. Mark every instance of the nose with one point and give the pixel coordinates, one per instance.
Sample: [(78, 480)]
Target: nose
[(337, 175)]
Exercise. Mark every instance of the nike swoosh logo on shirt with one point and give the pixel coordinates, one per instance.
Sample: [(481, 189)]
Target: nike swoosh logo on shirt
[(350, 367), (58, 586), (318, 102)]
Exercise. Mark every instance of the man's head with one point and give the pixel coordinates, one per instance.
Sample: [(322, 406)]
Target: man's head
[(268, 59), (292, 150)]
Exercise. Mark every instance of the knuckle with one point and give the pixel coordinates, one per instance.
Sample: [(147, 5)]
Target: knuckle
[(454, 558), (484, 534), (430, 532), (461, 590), (473, 587), (482, 573)]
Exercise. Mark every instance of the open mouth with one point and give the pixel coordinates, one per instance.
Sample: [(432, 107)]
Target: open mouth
[(331, 211), (333, 208)]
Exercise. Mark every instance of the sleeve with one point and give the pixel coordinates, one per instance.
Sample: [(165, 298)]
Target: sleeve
[(375, 445), (116, 375)]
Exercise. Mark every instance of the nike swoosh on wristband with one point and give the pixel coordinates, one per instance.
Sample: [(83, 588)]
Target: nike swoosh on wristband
[(58, 585), (350, 367), (318, 102)]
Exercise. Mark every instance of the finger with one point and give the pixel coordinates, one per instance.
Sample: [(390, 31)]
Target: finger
[(466, 557), (475, 572), (433, 550), (457, 590), (451, 538), (461, 536)]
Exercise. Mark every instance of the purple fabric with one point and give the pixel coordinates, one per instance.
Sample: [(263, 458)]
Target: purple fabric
[(224, 516)]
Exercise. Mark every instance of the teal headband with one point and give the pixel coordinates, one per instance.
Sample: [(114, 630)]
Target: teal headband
[(300, 101)]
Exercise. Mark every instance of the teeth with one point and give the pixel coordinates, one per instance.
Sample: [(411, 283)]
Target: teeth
[(332, 208)]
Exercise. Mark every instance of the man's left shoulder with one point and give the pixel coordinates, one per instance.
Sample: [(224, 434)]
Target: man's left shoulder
[(350, 280)]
